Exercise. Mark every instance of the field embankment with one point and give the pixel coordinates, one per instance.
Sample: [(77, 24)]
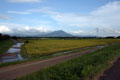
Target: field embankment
[(85, 67)]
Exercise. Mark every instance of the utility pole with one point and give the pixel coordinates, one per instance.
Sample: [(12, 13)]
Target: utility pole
[(97, 32)]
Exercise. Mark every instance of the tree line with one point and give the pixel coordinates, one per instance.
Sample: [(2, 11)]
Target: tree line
[(6, 37)]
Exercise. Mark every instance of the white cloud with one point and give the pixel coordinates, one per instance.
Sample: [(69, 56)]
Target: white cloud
[(106, 31), (18, 12), (4, 29), (43, 9), (41, 29), (22, 30), (101, 32), (105, 15), (83, 33), (111, 8), (29, 11), (106, 18), (27, 28), (78, 32), (24, 1)]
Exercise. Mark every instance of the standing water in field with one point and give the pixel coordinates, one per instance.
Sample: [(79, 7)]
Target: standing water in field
[(13, 54)]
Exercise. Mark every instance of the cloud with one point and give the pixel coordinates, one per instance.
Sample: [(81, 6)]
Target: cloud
[(25, 1), (4, 29), (19, 12), (102, 32), (27, 28), (108, 31), (106, 18), (22, 30), (80, 33), (30, 11)]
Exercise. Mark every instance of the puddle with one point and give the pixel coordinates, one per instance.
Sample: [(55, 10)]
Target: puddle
[(18, 45), (8, 57), (20, 57), (13, 59), (13, 54), (13, 50)]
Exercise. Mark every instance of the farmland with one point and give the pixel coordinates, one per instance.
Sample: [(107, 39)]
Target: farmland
[(86, 63), (85, 67), (39, 47)]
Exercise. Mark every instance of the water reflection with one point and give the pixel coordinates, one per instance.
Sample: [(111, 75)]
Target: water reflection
[(13, 54)]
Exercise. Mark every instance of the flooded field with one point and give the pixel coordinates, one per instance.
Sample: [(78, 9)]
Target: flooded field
[(13, 54)]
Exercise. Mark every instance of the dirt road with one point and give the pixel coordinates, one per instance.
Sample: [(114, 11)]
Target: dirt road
[(19, 70), (112, 73)]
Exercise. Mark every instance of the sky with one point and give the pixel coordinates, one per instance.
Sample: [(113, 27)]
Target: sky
[(78, 17)]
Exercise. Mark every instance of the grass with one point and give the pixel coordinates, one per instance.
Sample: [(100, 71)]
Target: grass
[(36, 48), (5, 45), (85, 67)]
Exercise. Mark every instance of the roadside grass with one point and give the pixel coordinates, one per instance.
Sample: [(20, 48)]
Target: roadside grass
[(5, 45), (38, 47), (85, 67)]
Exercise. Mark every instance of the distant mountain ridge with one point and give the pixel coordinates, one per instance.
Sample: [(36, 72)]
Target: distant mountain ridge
[(59, 33)]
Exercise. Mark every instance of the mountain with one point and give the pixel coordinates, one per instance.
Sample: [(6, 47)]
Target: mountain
[(59, 33)]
